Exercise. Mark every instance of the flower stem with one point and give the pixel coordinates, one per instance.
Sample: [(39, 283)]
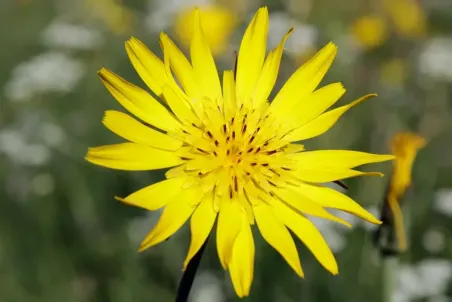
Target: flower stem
[(189, 275)]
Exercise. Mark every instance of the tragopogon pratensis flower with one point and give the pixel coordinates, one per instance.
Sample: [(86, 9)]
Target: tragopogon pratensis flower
[(233, 155), (405, 146)]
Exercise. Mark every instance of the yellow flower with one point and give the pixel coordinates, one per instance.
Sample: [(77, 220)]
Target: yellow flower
[(407, 15), (393, 72), (404, 146), (371, 31), (115, 15), (233, 155), (217, 24)]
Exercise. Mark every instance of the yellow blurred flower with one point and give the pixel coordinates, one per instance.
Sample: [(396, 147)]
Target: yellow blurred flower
[(370, 31), (404, 146), (217, 24), (112, 13), (407, 16), (393, 72)]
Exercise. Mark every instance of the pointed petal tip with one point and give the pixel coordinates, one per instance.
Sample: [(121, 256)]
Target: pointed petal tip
[(123, 200), (102, 71)]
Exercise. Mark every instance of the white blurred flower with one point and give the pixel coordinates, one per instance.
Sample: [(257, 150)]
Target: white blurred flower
[(65, 35), (428, 278), (303, 38), (434, 241), (48, 72), (443, 202), (13, 143), (436, 58), (43, 184), (206, 287), (162, 12), (52, 134)]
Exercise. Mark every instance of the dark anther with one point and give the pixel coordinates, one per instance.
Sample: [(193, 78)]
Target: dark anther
[(227, 139), (250, 150), (184, 131), (230, 192), (239, 160), (266, 144), (209, 134), (184, 158), (216, 143), (194, 125), (215, 153), (232, 121), (252, 139), (224, 128), (199, 173), (233, 134), (271, 152), (202, 151), (258, 149), (275, 172), (236, 185), (248, 173), (244, 128), (265, 165), (284, 168), (253, 164), (271, 183), (228, 152)]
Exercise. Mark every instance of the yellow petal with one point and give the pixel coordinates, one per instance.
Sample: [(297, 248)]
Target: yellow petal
[(337, 159), (323, 122), (306, 205), (241, 265), (138, 102), (133, 157), (228, 228), (303, 81), (269, 73), (251, 56), (229, 101), (308, 234), (319, 101), (329, 198), (276, 234), (129, 128), (203, 62), (179, 105), (327, 175), (201, 224), (174, 215), (148, 66), (179, 65), (155, 196)]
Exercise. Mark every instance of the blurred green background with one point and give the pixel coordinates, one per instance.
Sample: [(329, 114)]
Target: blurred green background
[(64, 238)]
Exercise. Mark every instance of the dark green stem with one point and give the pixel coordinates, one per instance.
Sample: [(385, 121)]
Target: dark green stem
[(189, 275)]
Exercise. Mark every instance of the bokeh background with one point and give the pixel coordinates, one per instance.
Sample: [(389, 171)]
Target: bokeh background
[(64, 238)]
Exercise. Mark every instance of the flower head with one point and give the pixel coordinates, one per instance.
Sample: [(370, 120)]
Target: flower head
[(405, 146), (371, 31), (233, 155)]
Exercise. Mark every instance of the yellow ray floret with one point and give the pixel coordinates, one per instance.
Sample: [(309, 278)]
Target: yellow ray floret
[(233, 156)]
